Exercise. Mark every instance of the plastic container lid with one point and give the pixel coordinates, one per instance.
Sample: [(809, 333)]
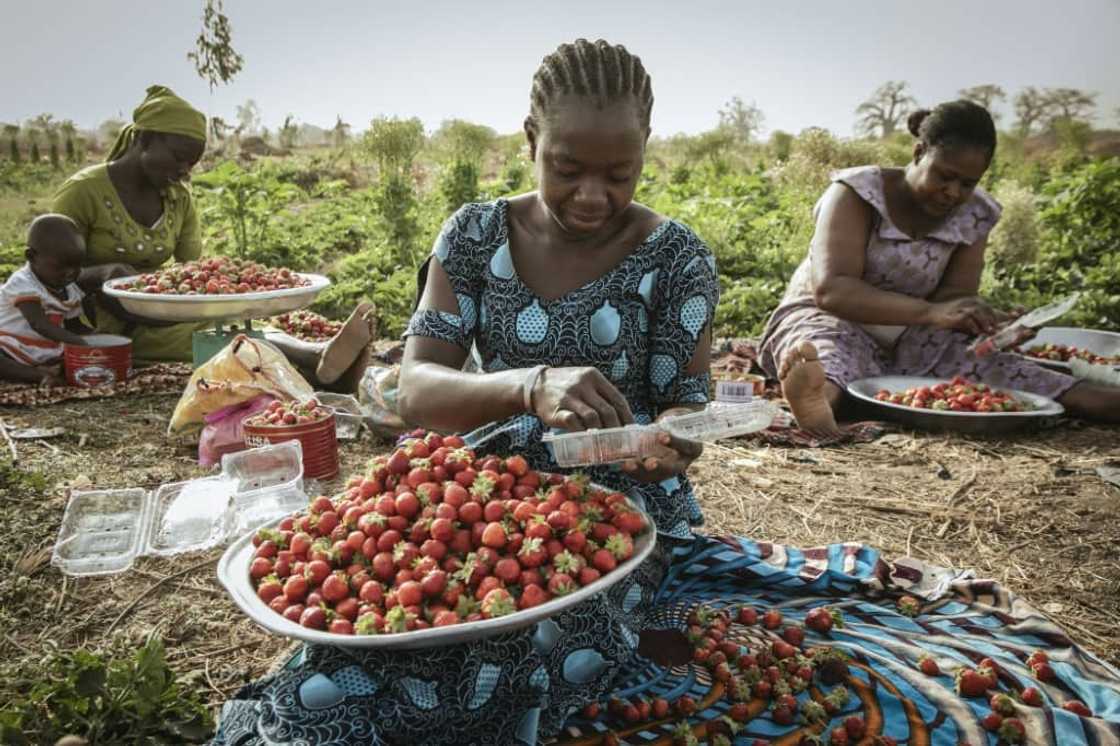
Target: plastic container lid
[(104, 531)]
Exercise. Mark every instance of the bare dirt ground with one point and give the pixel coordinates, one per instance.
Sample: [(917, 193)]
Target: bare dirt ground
[(1030, 511)]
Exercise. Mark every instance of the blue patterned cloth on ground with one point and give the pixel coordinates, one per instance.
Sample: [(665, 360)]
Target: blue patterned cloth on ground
[(501, 691)]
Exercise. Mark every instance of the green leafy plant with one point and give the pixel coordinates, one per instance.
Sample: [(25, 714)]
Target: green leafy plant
[(244, 203), (107, 700)]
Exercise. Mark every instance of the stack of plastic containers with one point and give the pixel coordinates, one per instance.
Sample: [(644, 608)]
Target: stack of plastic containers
[(716, 421), (104, 531)]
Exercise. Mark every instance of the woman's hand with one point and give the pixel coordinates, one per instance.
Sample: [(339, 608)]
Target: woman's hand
[(969, 314), (671, 456), (578, 399)]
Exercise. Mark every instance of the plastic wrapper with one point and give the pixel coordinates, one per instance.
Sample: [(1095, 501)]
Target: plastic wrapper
[(377, 395), (223, 432), (243, 370), (348, 413)]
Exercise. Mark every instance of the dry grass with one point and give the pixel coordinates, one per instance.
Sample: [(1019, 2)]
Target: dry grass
[(1030, 512)]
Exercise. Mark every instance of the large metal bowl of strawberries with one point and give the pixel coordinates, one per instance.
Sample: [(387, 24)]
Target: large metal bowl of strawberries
[(215, 289), (433, 546), (956, 405)]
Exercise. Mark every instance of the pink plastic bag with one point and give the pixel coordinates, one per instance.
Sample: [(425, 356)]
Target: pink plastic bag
[(223, 432)]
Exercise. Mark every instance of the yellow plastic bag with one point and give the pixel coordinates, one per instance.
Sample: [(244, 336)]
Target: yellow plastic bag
[(243, 370)]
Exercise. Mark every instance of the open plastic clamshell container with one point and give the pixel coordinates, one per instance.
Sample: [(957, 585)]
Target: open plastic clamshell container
[(717, 420), (104, 531)]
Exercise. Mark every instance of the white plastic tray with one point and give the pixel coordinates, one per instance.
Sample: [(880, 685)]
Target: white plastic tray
[(104, 531), (233, 572), (966, 422), (216, 307)]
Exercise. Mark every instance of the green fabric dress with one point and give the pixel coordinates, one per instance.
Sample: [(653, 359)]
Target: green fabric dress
[(112, 235)]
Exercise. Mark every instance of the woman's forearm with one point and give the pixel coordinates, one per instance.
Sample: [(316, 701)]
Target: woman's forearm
[(441, 398), (854, 300)]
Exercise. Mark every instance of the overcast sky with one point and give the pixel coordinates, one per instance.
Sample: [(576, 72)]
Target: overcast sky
[(803, 63)]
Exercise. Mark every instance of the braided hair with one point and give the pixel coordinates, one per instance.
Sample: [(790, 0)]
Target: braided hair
[(599, 70), (954, 123)]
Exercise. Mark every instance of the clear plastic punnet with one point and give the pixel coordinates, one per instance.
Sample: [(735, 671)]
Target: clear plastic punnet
[(1022, 329), (611, 445), (104, 531), (722, 420), (606, 446)]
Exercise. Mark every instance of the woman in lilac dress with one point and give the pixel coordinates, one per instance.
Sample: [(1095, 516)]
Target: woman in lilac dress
[(890, 286)]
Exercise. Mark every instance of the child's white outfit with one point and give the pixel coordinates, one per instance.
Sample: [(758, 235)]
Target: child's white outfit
[(17, 339)]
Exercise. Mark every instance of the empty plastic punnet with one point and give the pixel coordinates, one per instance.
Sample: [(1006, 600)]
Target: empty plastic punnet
[(104, 531)]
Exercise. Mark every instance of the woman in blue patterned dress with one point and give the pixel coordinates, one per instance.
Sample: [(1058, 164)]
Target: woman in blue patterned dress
[(587, 310)]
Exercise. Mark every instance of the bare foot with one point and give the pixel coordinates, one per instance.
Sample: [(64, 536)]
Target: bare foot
[(341, 352), (348, 382), (803, 386)]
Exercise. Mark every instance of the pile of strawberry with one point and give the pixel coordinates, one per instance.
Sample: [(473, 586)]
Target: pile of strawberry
[(983, 681), (287, 413), (958, 395), (308, 325), (774, 672), (1065, 353), (215, 276), (433, 536)]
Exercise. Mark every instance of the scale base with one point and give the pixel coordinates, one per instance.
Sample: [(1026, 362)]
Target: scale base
[(206, 344)]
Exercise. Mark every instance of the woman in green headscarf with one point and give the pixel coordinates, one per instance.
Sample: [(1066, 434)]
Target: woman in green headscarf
[(136, 213)]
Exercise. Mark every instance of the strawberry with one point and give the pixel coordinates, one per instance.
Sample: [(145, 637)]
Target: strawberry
[(971, 683), (928, 665), (855, 727), (659, 708), (821, 619), (739, 712), (782, 715), (1002, 704), (838, 737), (1012, 731), (909, 606), (1043, 672), (604, 561), (591, 711), (1031, 696), (497, 603), (993, 721), (1038, 656), (685, 705), (1077, 707), (783, 650), (747, 615), (813, 712), (794, 636), (772, 619)]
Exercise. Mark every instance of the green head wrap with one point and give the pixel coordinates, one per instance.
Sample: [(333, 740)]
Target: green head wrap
[(161, 111)]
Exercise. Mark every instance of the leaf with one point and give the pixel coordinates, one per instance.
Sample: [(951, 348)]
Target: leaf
[(90, 681)]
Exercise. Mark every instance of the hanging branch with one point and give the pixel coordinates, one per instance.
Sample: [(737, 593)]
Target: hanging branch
[(214, 58)]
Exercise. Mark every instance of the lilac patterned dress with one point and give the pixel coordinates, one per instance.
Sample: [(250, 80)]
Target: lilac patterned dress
[(900, 264)]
